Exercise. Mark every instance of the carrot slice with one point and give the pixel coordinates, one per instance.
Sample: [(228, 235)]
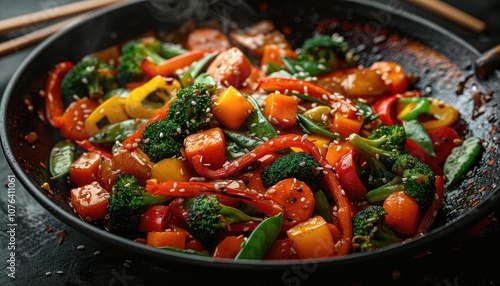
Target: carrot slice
[(90, 201), (209, 144), (296, 198), (402, 213)]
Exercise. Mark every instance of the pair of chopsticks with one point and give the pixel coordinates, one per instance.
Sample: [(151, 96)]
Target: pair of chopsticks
[(451, 13), (33, 19)]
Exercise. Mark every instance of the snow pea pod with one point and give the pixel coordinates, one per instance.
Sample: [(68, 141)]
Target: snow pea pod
[(309, 67), (258, 124), (188, 251), (118, 131), (417, 133), (196, 68), (309, 126), (243, 139), (261, 239), (321, 206), (461, 159), (61, 157)]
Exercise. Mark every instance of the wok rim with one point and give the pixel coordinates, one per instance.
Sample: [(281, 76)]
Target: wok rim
[(458, 224)]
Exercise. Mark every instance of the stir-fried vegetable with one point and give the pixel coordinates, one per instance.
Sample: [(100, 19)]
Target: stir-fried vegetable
[(303, 156)]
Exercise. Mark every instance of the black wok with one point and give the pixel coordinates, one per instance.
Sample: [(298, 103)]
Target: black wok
[(443, 62)]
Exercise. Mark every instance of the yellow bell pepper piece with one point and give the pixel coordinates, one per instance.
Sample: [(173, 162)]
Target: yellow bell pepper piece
[(172, 169), (444, 114), (312, 238), (320, 141), (231, 108), (109, 112), (146, 100)]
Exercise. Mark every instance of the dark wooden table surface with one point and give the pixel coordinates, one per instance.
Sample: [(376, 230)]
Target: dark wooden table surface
[(50, 253)]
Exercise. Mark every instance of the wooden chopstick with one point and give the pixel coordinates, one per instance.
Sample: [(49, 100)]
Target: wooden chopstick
[(451, 13), (53, 13), (29, 39)]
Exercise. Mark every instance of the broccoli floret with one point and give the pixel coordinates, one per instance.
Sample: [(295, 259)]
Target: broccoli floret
[(420, 183), (370, 230), (331, 51), (389, 137), (416, 179), (208, 219), (192, 108), (133, 53), (299, 165), (88, 78), (127, 201), (189, 113), (381, 150), (160, 140)]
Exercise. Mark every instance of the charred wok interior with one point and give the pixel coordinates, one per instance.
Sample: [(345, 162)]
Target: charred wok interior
[(442, 66)]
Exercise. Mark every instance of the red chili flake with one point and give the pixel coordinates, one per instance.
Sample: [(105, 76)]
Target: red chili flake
[(491, 162), (61, 236), (482, 189), (48, 229), (31, 137)]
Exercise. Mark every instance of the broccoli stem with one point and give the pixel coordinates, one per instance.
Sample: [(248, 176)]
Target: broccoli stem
[(93, 85), (155, 57), (385, 236), (369, 147), (381, 193), (150, 199)]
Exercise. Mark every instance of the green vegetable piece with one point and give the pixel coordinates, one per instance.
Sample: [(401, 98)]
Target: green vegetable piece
[(188, 251), (204, 78), (420, 105), (321, 206), (309, 127), (199, 66), (261, 239), (417, 133), (170, 50), (309, 98), (366, 111), (304, 66), (243, 139), (461, 159), (61, 157), (118, 131), (258, 124)]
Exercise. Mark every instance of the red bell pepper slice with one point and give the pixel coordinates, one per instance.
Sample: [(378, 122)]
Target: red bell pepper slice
[(283, 142), (430, 215), (385, 107), (413, 149), (54, 106), (290, 85), (153, 218), (193, 189), (91, 147), (170, 66), (444, 140), (348, 177)]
